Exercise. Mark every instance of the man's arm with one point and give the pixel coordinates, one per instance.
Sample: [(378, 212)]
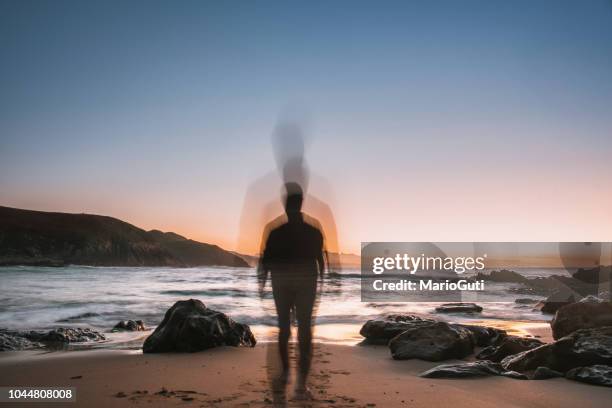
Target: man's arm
[(263, 267), (322, 257)]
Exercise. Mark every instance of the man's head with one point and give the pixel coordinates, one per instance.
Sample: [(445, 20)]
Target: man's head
[(293, 199)]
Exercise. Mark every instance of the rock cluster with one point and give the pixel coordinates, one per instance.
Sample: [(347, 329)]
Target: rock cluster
[(582, 351), (130, 325)]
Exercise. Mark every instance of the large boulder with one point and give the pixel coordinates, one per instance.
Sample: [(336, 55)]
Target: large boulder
[(595, 374), (190, 326), (435, 342), (475, 369), (459, 307), (130, 325), (502, 276), (587, 313), (380, 331), (508, 346)]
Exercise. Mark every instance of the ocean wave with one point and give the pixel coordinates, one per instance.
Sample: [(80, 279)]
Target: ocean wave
[(209, 292), (80, 316)]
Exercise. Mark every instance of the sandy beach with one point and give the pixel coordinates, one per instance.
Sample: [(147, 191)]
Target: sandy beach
[(342, 376)]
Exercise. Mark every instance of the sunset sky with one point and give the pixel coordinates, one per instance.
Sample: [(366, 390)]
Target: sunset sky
[(427, 121)]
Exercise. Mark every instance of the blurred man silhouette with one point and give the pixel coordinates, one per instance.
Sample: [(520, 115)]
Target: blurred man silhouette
[(289, 145), (293, 256)]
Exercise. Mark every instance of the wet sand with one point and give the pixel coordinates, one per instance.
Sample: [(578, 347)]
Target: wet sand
[(342, 376)]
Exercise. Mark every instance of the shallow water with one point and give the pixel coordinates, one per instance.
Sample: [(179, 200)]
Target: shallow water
[(98, 297)]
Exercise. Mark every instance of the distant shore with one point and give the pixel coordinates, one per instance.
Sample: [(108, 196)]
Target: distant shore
[(342, 376)]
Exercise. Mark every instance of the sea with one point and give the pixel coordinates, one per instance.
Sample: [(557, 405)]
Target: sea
[(42, 298)]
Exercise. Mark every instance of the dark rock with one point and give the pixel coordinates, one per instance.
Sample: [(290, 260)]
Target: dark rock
[(190, 326), (584, 347), (475, 369), (380, 331), (544, 373), (130, 325), (526, 301), (502, 276), (435, 342), (484, 335), (599, 274), (13, 342), (459, 308), (587, 313), (558, 299), (508, 346), (530, 359), (596, 374)]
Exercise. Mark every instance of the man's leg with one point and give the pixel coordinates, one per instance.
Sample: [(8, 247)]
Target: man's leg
[(304, 306), (283, 301)]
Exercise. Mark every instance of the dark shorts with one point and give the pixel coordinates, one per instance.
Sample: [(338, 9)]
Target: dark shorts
[(293, 290)]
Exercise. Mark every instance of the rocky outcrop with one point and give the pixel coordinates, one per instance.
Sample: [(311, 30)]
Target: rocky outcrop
[(502, 276), (595, 374), (459, 308), (508, 346), (65, 335), (129, 325), (588, 313), (190, 326), (380, 331), (435, 342), (12, 342), (22, 340), (476, 369)]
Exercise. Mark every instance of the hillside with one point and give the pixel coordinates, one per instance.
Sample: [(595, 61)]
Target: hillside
[(48, 238)]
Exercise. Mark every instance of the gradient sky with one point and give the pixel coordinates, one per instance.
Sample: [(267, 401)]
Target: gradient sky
[(430, 121)]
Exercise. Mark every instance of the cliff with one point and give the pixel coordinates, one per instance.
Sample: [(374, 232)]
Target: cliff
[(50, 238)]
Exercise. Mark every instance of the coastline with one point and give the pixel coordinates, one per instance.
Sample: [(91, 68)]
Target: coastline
[(342, 376)]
